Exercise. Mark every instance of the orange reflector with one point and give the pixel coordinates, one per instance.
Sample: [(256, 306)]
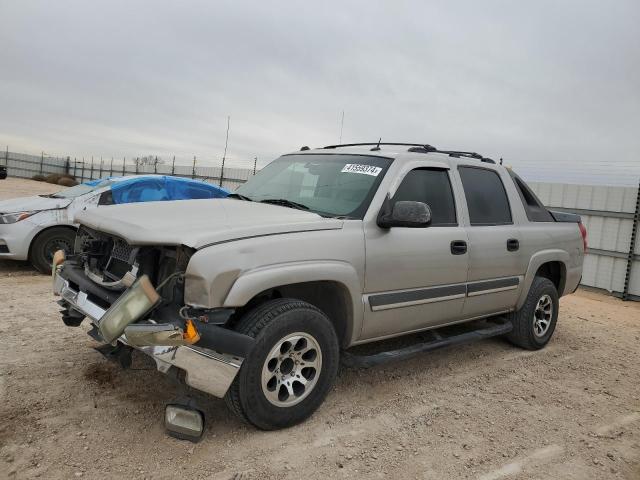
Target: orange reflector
[(190, 334)]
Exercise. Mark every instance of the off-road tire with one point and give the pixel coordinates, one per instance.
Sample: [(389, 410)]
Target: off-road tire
[(268, 323), (523, 334), (39, 255)]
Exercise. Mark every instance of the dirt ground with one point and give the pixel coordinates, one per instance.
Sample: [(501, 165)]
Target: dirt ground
[(481, 411)]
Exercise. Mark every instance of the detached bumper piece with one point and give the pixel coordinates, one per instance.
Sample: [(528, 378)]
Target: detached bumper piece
[(209, 355)]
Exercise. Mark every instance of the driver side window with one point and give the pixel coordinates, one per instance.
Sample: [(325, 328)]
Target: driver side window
[(433, 187)]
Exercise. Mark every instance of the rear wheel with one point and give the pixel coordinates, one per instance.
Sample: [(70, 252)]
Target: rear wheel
[(291, 368), (535, 322), (46, 244)]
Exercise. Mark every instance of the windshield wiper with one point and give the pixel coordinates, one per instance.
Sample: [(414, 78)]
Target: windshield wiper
[(285, 203), (239, 197)]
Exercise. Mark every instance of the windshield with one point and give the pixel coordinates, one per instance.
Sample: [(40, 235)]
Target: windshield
[(334, 185), (83, 188)]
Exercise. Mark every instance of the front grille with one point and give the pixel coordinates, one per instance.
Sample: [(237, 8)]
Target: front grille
[(121, 250)]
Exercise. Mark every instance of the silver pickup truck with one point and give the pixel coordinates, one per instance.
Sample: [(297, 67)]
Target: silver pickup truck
[(258, 297)]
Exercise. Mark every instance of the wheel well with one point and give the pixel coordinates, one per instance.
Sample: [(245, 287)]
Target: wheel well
[(67, 227), (331, 297), (554, 271)]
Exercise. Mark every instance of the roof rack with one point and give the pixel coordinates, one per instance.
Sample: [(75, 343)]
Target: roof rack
[(376, 144), (418, 148)]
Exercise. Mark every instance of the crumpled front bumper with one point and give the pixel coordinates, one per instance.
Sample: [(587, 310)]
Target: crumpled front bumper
[(205, 369)]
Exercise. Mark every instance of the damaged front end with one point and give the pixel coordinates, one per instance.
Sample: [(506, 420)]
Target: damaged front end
[(134, 297)]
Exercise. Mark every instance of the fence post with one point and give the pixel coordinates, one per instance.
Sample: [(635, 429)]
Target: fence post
[(193, 170), (75, 166), (100, 175), (124, 161), (111, 168), (632, 247), (91, 168), (155, 165), (255, 163), (173, 166), (137, 162), (67, 165), (82, 178), (6, 158), (41, 162)]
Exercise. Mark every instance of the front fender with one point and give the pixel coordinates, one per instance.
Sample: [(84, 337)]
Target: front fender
[(252, 282), (538, 259)]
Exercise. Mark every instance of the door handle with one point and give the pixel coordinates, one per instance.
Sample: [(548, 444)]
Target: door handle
[(458, 247), (513, 244)]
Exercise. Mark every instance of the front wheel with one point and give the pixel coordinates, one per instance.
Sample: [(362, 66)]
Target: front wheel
[(46, 244), (291, 368), (535, 322)]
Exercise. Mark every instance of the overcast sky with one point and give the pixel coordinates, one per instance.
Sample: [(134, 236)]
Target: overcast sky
[(551, 86)]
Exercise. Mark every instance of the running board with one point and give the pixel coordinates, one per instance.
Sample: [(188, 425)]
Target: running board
[(365, 361)]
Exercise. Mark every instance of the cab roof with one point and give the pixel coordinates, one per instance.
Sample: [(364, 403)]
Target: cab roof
[(394, 150)]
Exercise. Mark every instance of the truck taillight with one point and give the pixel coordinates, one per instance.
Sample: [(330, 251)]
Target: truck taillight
[(583, 232)]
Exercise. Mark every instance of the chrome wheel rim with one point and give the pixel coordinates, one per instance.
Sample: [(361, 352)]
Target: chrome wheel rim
[(291, 369), (542, 316)]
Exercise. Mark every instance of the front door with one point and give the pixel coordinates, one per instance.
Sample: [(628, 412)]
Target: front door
[(415, 277)]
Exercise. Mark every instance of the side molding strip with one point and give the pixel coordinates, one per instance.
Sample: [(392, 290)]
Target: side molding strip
[(407, 298), (385, 301), (491, 286)]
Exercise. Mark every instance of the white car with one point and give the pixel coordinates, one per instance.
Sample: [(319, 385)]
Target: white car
[(33, 228)]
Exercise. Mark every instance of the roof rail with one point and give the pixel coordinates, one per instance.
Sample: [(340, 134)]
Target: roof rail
[(376, 144), (418, 148)]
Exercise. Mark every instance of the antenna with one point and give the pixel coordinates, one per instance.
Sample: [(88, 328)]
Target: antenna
[(224, 155), (377, 147), (341, 126)]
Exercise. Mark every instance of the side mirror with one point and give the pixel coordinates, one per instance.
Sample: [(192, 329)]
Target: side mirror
[(404, 214)]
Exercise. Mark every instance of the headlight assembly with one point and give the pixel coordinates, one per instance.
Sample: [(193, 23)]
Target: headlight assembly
[(15, 217)]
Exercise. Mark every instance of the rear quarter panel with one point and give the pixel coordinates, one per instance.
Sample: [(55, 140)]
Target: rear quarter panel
[(552, 241)]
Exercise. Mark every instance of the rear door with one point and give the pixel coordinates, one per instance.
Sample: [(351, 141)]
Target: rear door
[(496, 264), (413, 278)]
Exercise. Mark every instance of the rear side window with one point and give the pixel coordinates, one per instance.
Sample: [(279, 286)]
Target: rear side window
[(535, 210), (433, 188), (486, 197)]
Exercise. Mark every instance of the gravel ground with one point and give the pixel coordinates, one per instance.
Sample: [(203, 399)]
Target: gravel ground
[(485, 410)]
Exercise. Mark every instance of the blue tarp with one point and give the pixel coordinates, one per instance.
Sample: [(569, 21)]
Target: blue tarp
[(161, 188)]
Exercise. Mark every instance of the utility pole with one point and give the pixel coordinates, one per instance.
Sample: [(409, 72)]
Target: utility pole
[(224, 156)]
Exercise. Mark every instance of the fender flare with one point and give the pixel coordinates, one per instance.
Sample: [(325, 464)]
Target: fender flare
[(538, 259), (252, 282)]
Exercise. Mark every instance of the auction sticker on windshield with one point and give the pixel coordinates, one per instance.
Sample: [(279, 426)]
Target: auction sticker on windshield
[(363, 169)]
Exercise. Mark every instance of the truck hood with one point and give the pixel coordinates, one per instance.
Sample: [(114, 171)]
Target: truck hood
[(198, 223), (33, 204)]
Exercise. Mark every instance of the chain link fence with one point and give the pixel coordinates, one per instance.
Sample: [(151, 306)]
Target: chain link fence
[(26, 166)]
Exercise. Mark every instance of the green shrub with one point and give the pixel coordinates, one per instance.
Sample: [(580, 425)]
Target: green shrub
[(67, 182)]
